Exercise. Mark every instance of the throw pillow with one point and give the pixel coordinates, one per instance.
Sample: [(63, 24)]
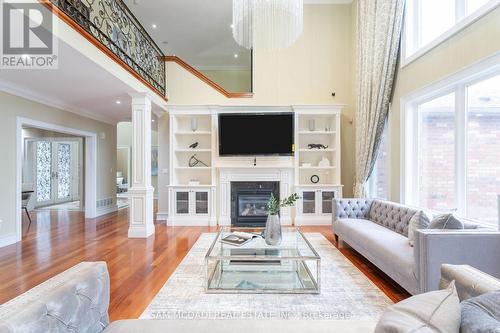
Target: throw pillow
[(446, 221), (420, 220), (432, 312), (481, 314)]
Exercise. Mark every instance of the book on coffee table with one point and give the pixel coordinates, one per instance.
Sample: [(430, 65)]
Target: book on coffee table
[(239, 238)]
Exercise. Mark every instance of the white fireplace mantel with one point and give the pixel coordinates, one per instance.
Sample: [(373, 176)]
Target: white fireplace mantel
[(283, 175)]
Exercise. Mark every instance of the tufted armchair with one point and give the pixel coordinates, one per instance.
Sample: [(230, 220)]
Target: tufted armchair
[(379, 231), (76, 300)]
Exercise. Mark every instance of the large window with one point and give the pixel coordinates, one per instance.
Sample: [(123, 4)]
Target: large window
[(429, 22), (452, 148)]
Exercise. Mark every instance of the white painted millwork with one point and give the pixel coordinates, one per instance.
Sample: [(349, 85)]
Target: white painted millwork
[(141, 193), (215, 178)]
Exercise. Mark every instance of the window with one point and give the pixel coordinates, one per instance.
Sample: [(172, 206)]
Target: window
[(452, 148), (430, 22), (378, 183), (436, 153), (483, 149)]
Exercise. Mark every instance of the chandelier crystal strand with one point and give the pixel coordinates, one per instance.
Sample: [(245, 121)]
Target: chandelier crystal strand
[(267, 24)]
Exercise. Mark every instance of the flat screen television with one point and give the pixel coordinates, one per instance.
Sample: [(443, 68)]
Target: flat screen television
[(256, 134)]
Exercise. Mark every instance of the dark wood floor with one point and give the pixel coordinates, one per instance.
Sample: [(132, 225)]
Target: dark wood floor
[(138, 268)]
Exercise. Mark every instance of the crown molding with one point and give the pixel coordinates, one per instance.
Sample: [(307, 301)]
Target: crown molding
[(28, 94)]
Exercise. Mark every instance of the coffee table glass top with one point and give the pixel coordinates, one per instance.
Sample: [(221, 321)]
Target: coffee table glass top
[(293, 266)]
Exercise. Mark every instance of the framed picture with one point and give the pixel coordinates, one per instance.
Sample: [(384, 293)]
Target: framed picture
[(154, 161)]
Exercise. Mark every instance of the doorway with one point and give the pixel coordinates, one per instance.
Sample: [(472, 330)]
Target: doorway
[(54, 166), (61, 140)]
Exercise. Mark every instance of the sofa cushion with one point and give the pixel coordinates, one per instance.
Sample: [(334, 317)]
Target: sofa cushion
[(446, 221), (481, 314), (385, 248), (420, 220), (435, 311), (392, 215), (351, 208)]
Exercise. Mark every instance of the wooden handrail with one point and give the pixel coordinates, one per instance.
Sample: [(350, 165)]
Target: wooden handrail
[(204, 78)]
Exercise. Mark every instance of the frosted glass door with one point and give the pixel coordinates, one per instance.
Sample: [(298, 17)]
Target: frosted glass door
[(63, 171), (55, 162), (44, 172)]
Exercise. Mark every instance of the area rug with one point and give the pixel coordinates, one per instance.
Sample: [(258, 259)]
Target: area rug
[(346, 293)]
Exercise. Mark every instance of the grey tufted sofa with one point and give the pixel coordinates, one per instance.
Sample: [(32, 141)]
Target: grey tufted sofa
[(379, 231)]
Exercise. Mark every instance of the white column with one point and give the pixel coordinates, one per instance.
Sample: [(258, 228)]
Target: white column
[(141, 193), (163, 167)]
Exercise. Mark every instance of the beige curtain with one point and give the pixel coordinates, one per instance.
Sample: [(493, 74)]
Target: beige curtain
[(378, 36)]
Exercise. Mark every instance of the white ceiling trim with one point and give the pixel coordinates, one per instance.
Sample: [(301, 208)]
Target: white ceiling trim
[(16, 90), (327, 2)]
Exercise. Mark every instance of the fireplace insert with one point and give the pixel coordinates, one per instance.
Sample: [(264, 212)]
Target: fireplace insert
[(249, 202)]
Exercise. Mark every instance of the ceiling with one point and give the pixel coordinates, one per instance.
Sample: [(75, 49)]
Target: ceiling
[(97, 98), (197, 31)]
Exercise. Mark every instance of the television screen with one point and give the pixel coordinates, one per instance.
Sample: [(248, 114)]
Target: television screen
[(256, 134)]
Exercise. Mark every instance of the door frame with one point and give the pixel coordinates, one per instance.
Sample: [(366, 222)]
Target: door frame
[(89, 173)]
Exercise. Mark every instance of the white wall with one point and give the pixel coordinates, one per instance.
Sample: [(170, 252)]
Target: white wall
[(319, 63)]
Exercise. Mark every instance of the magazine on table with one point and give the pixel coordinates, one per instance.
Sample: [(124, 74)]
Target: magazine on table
[(239, 238)]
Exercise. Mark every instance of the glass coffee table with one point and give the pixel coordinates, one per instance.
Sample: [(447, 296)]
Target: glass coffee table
[(293, 267)]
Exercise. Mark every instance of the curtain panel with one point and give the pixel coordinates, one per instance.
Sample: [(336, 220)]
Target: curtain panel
[(378, 35)]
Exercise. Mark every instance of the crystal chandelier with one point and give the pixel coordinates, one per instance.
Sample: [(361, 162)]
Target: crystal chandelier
[(267, 24)]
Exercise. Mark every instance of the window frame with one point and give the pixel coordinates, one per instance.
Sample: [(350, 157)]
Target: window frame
[(409, 127), (462, 21)]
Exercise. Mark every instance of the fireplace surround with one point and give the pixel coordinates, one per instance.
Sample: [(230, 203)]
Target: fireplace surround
[(249, 202)]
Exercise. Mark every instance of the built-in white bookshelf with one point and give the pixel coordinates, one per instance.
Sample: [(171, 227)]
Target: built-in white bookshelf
[(188, 129), (320, 128)]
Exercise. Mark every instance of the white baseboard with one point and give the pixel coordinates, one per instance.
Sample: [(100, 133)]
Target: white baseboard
[(188, 222), (313, 220), (106, 210), (161, 216), (8, 240)]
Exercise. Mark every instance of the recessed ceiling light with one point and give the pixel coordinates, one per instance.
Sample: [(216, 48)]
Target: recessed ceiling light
[(232, 26), (236, 55), (154, 26), (152, 120), (118, 102)]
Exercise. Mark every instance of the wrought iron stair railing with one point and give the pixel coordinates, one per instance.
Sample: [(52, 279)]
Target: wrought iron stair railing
[(112, 24)]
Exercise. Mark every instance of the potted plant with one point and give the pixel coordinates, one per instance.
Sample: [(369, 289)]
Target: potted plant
[(272, 232)]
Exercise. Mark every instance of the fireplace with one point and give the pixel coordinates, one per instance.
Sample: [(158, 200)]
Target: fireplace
[(248, 202)]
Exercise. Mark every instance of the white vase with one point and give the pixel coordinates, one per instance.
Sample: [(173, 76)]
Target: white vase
[(194, 124), (272, 233)]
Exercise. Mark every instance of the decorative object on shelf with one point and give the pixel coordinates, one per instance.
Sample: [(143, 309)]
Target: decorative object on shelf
[(193, 145), (194, 161), (194, 182), (312, 125), (306, 164), (154, 161), (325, 162), (272, 232), (314, 179), (194, 124), (265, 24), (316, 146)]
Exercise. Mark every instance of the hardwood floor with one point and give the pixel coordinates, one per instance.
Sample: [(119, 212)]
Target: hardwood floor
[(138, 268)]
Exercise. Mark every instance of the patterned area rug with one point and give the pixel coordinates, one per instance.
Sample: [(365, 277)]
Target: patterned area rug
[(346, 293)]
